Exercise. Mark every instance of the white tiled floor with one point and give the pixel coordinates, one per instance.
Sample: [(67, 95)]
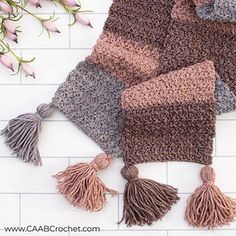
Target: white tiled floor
[(28, 194)]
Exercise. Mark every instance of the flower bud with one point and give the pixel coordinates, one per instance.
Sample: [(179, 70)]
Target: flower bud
[(83, 19), (28, 70), (6, 61), (9, 26), (50, 26), (70, 3), (35, 3), (11, 36), (5, 7)]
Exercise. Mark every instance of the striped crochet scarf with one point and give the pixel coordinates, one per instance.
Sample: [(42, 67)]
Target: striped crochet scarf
[(149, 92)]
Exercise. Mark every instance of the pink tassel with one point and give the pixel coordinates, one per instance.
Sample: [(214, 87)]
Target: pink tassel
[(208, 206), (82, 187)]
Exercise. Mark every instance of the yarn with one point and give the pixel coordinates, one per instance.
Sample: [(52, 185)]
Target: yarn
[(82, 187), (22, 134), (208, 206), (145, 201)]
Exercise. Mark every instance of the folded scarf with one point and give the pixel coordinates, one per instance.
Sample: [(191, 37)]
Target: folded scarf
[(216, 10), (149, 91), (191, 40)]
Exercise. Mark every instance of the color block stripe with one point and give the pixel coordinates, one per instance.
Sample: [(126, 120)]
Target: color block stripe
[(192, 84), (90, 98), (130, 61), (185, 11), (171, 117), (141, 21), (201, 2)]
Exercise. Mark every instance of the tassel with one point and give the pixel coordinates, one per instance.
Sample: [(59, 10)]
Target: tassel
[(82, 187), (22, 133), (208, 206), (145, 200)]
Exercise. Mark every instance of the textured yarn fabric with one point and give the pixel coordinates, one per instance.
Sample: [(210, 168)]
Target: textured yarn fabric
[(185, 11), (129, 46), (171, 117), (225, 99), (126, 54), (191, 40), (217, 10), (141, 42), (90, 98)]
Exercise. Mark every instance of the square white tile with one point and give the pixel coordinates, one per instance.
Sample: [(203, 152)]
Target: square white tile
[(225, 138), (28, 178), (53, 209), (9, 214), (54, 60), (86, 37)]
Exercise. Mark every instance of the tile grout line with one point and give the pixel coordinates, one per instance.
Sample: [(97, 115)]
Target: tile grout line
[(169, 230), (56, 84), (49, 157), (54, 193), (19, 209), (21, 54), (69, 32), (65, 13), (92, 157), (32, 85), (52, 48), (234, 120), (216, 144), (118, 199)]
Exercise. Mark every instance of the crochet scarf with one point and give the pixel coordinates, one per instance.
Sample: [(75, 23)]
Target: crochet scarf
[(149, 92)]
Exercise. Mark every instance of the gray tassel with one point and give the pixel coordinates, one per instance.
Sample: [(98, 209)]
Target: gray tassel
[(22, 134)]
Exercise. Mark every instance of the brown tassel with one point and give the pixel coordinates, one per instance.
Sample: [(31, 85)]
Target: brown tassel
[(82, 187), (145, 200), (22, 134), (208, 206)]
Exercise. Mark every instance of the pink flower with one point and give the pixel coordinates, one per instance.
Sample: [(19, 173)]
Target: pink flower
[(6, 61), (9, 26), (83, 19), (70, 3), (12, 36), (50, 26), (5, 7), (35, 3), (28, 70)]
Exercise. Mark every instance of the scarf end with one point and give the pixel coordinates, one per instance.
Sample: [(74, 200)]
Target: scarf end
[(82, 187), (145, 201), (22, 133), (208, 207)]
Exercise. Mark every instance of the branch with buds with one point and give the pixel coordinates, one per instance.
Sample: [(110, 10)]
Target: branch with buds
[(10, 15)]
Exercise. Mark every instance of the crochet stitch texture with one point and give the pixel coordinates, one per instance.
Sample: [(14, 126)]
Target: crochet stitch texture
[(84, 99), (171, 117), (132, 53), (149, 91), (217, 10)]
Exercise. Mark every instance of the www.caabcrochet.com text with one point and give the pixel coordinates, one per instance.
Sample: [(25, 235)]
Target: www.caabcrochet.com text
[(51, 228)]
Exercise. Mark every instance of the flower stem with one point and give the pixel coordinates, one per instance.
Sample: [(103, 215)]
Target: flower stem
[(25, 10), (7, 46)]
